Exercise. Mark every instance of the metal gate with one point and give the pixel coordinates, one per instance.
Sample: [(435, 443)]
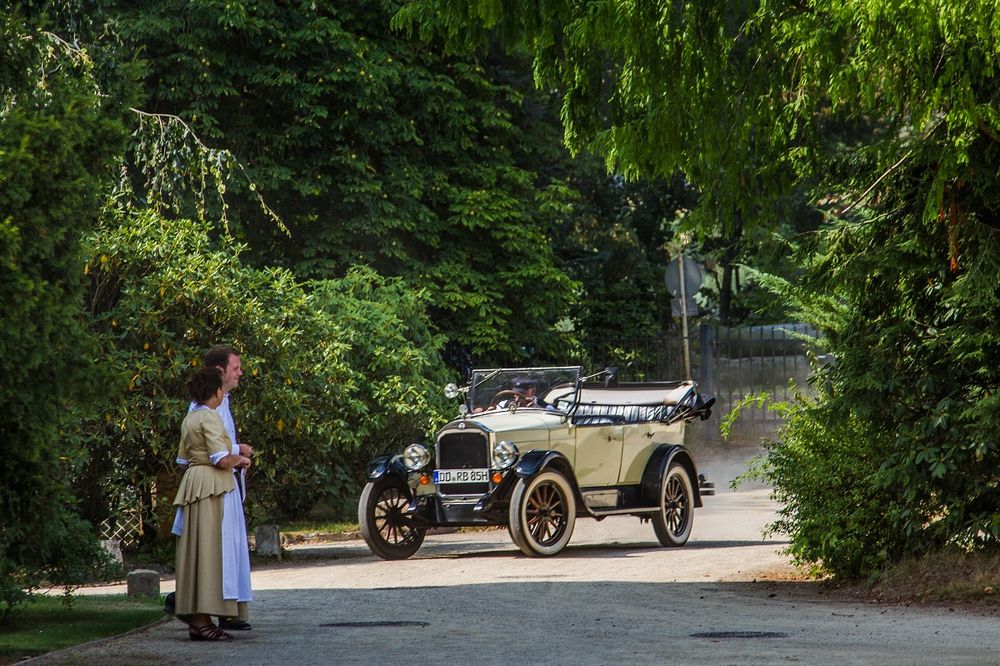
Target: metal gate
[(727, 362)]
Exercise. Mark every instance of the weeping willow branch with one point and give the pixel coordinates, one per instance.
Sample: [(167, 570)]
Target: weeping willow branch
[(178, 170), (176, 165), (864, 195)]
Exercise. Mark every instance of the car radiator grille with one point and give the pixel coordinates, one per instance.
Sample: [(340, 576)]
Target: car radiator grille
[(463, 450)]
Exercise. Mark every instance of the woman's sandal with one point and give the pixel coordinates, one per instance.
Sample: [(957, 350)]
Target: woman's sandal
[(208, 632)]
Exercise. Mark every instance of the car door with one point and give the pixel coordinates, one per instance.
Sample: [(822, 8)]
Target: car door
[(598, 454), (640, 440)]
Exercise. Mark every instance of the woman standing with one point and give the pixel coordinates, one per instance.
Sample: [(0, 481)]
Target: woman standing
[(201, 507)]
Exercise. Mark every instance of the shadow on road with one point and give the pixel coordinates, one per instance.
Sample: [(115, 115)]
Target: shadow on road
[(564, 622)]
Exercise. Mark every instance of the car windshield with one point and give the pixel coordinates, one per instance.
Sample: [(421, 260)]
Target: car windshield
[(525, 387)]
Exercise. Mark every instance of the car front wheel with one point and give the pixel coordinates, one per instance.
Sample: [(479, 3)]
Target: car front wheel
[(542, 514), (675, 518), (386, 528)]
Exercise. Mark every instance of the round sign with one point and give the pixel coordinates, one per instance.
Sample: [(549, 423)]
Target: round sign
[(693, 277)]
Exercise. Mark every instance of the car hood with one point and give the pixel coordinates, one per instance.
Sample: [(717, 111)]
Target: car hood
[(523, 421)]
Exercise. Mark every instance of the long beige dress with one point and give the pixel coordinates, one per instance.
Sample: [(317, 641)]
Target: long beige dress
[(199, 548)]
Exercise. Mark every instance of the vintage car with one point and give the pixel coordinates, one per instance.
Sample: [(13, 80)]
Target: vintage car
[(535, 448)]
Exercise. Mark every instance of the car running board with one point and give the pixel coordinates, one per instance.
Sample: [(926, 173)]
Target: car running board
[(601, 513), (602, 503)]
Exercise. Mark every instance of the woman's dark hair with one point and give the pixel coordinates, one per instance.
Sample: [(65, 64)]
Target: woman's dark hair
[(203, 385)]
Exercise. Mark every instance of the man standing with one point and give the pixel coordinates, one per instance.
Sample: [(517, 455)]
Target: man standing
[(226, 359), (235, 551)]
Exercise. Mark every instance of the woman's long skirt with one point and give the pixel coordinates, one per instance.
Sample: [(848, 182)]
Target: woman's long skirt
[(199, 563)]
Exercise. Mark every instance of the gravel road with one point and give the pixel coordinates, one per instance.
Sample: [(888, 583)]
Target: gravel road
[(612, 596)]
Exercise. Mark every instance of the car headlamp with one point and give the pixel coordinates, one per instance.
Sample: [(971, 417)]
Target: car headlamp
[(416, 457), (504, 454)]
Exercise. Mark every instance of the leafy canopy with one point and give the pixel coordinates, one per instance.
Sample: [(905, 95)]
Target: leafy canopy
[(373, 150), (58, 138), (888, 113)]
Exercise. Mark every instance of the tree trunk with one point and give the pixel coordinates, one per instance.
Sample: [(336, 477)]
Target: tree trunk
[(733, 250), (725, 293)]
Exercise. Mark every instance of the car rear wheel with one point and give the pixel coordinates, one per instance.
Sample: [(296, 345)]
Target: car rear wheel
[(675, 518), (386, 528), (542, 514)]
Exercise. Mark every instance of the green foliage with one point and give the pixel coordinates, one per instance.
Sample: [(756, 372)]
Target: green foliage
[(833, 506), (634, 80), (612, 241), (57, 140), (657, 89), (904, 421), (324, 383), (925, 72), (374, 150), (887, 112)]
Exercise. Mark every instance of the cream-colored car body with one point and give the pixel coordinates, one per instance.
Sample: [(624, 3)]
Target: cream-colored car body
[(601, 455), (532, 449)]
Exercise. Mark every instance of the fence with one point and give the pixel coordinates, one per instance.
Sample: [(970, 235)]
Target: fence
[(755, 360), (125, 523), (727, 362)]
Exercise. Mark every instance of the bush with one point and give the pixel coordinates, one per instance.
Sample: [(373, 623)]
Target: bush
[(330, 375), (898, 456), (823, 469)]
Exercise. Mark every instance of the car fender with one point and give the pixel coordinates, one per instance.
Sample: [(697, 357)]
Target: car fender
[(534, 463), (387, 465), (662, 457)]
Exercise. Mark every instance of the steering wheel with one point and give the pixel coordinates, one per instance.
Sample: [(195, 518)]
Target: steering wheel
[(517, 398)]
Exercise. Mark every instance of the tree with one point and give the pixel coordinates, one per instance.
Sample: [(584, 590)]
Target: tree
[(633, 81), (613, 241), (658, 89), (887, 114), (58, 139), (908, 261), (333, 375), (373, 150)]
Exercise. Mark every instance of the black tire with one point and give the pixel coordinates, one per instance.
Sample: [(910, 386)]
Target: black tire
[(674, 520), (515, 538), (542, 514), (381, 514)]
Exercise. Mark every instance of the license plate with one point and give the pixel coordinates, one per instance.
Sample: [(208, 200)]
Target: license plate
[(461, 475)]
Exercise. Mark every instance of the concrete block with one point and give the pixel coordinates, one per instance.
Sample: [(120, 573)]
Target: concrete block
[(268, 540), (143, 582)]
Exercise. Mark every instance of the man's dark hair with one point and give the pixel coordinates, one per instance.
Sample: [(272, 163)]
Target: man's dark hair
[(219, 356), (205, 383)]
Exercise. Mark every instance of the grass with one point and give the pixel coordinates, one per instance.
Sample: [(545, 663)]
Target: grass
[(299, 527), (46, 623), (322, 520)]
